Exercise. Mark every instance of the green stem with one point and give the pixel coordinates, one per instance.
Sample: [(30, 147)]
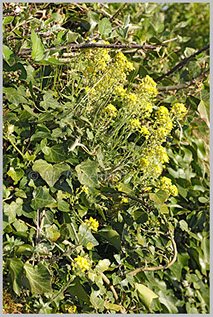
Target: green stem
[(17, 149)]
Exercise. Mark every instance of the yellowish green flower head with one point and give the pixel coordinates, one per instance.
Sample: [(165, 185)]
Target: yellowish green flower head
[(166, 184), (92, 223), (124, 200), (82, 263), (144, 131), (85, 189), (161, 154), (110, 111), (134, 124), (179, 110), (163, 115), (144, 162), (148, 86)]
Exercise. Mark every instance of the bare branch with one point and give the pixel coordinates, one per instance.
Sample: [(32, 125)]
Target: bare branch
[(182, 63)]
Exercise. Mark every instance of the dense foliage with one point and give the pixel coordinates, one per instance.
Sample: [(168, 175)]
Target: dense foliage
[(106, 172)]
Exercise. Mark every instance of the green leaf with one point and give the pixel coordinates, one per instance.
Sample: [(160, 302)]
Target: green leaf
[(8, 55), (93, 19), (52, 233), (63, 205), (14, 96), (87, 173), (41, 199), (160, 197), (16, 174), (105, 28), (50, 173), (86, 236), (146, 295), (56, 154), (16, 270), (169, 301), (103, 265), (111, 236), (24, 249), (183, 225), (20, 226), (77, 290), (112, 306), (38, 277), (37, 47), (49, 101), (97, 302), (8, 20), (204, 110)]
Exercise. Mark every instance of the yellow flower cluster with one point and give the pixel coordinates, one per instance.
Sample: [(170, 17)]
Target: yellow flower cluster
[(148, 87), (166, 184), (134, 124), (144, 131), (92, 223), (163, 115), (179, 110), (110, 111), (82, 263)]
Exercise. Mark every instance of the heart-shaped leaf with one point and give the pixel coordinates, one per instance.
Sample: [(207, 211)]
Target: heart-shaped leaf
[(50, 173), (41, 199), (38, 277)]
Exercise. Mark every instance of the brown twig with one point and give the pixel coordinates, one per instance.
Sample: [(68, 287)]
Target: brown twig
[(123, 6), (92, 45), (182, 63)]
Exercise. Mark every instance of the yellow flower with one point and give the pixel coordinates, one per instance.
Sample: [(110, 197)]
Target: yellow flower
[(179, 110), (148, 86), (124, 200), (82, 263), (135, 124), (166, 184), (144, 162), (92, 223), (162, 114), (144, 131), (110, 110)]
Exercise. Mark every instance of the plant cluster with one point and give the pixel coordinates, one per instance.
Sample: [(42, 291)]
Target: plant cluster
[(99, 180)]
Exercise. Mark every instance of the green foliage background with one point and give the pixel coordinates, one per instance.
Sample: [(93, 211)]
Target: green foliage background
[(40, 174)]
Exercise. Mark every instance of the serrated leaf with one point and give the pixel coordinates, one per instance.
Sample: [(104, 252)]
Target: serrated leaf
[(87, 173), (37, 47), (146, 295), (16, 270), (41, 199), (38, 277), (50, 173)]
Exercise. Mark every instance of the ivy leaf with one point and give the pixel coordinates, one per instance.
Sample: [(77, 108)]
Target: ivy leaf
[(50, 173), (38, 277), (111, 236), (16, 174), (49, 101), (87, 173), (41, 199), (14, 96), (97, 302), (86, 236), (24, 249), (146, 295), (56, 154), (160, 197), (16, 270), (112, 306), (105, 28), (37, 47)]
